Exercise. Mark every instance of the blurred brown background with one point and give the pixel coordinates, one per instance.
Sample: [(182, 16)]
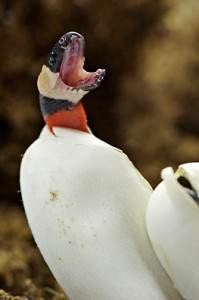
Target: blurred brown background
[(147, 105)]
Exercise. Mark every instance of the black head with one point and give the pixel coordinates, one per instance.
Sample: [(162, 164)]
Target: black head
[(55, 56)]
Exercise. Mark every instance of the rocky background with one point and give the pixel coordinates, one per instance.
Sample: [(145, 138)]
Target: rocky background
[(147, 105)]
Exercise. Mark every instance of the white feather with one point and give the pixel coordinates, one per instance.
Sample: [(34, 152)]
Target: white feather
[(173, 224), (86, 203)]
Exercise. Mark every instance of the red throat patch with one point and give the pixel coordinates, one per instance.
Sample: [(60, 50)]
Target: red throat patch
[(74, 118)]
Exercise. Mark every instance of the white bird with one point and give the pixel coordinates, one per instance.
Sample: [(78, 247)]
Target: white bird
[(173, 225), (84, 200)]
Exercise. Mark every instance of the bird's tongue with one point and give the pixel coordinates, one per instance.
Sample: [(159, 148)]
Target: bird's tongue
[(72, 72)]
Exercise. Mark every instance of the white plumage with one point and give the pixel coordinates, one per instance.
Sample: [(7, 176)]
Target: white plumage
[(173, 225), (86, 203)]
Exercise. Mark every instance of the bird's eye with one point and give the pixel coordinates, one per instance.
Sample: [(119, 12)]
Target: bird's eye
[(53, 55), (52, 58)]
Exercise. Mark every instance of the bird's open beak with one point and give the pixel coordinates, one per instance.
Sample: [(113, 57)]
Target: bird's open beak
[(72, 71)]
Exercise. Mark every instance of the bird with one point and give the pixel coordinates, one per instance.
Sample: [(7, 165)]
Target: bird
[(84, 199), (172, 222)]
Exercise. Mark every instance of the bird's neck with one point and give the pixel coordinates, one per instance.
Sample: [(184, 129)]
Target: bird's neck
[(62, 113)]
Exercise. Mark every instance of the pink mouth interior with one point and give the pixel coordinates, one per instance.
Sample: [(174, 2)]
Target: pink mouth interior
[(72, 72)]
